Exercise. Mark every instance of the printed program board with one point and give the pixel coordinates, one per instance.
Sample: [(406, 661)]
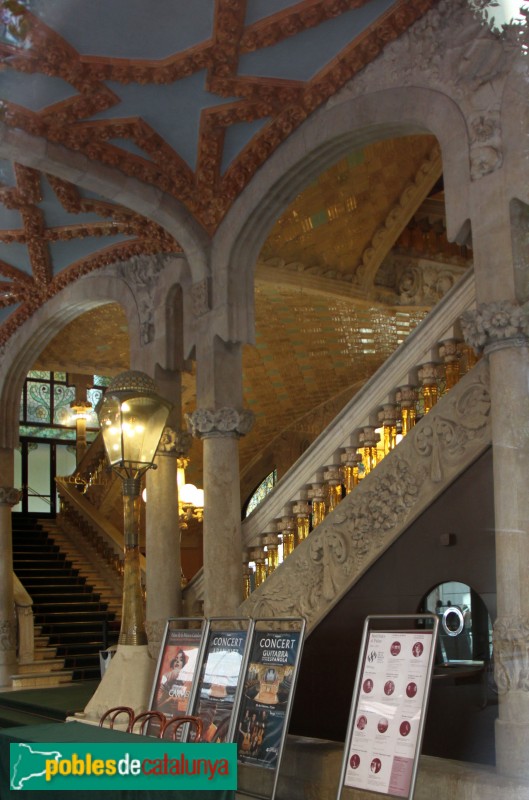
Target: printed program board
[(266, 699), (219, 679), (389, 704), (172, 691)]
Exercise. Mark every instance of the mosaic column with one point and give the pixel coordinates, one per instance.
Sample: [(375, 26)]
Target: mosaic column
[(500, 330), (163, 563), (9, 497), (220, 431)]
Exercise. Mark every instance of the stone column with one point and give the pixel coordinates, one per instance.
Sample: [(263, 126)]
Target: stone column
[(8, 627), (220, 431), (500, 329), (164, 565)]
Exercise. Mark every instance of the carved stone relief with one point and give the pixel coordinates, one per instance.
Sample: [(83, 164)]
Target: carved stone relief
[(323, 567), (496, 325), (226, 421), (511, 654), (141, 274), (450, 49)]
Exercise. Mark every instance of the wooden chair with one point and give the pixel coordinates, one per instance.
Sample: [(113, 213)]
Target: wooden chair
[(145, 719), (113, 713), (174, 724)]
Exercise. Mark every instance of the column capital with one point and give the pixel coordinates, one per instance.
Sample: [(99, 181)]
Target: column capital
[(174, 443), (224, 422), (496, 326), (9, 496), (511, 644)]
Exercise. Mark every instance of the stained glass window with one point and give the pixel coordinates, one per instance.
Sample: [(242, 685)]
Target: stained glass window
[(38, 402), (45, 406), (264, 488), (39, 375), (62, 397)]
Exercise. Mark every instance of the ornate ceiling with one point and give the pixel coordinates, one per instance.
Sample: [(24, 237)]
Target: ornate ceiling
[(189, 98), (192, 98)]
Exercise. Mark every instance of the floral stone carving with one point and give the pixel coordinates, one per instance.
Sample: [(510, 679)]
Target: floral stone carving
[(324, 566)]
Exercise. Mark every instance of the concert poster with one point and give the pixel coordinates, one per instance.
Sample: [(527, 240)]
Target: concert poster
[(219, 678), (176, 672), (267, 688), (389, 713)]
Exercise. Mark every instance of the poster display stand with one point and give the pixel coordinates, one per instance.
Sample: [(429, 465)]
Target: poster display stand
[(388, 708), (267, 691), (224, 660), (175, 682)]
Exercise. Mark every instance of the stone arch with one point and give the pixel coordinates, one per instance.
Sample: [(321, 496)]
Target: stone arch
[(26, 344), (344, 124), (111, 184)]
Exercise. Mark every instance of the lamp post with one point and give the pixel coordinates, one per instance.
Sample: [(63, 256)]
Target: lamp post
[(132, 417)]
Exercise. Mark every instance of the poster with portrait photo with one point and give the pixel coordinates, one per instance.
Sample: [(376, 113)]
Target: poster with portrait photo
[(267, 688), (176, 671), (387, 713), (219, 678)]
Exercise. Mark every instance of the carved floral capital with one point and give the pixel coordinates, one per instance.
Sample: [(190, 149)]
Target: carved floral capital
[(9, 496), (204, 423), (174, 443), (492, 326)]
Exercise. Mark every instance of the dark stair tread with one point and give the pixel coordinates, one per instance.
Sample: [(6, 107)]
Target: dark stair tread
[(61, 589), (60, 601), (69, 611), (54, 572), (88, 606)]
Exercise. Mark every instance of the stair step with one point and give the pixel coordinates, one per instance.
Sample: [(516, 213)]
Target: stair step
[(76, 617), (44, 653), (22, 549), (51, 602), (41, 665), (41, 679), (85, 648), (52, 572), (75, 610)]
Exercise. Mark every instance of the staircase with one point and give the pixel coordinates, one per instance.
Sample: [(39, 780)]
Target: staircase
[(73, 622)]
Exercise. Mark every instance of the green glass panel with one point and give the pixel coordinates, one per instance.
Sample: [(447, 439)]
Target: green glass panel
[(38, 402), (264, 488), (93, 396), (60, 377), (62, 412), (39, 375), (101, 380), (62, 434)]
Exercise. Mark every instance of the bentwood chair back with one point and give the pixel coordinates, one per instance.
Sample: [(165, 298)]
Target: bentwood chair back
[(173, 726), (113, 713), (143, 721)]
